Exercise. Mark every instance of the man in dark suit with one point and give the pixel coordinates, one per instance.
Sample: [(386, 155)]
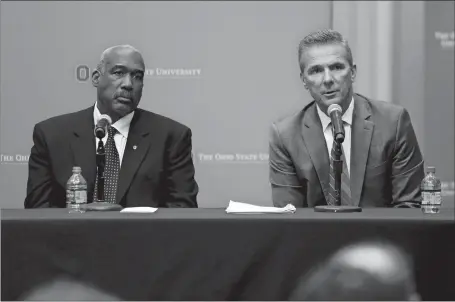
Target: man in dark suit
[(152, 153), (383, 162)]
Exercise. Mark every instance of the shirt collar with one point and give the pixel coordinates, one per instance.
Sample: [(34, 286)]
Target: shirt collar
[(346, 117), (122, 125)]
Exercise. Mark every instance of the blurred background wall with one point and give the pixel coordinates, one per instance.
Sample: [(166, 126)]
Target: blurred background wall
[(242, 73)]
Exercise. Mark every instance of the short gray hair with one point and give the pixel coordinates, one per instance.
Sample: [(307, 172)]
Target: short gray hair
[(345, 276), (324, 37), (102, 62)]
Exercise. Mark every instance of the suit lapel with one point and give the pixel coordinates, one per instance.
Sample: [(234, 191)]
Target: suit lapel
[(314, 140), (362, 130), (137, 145), (83, 146)]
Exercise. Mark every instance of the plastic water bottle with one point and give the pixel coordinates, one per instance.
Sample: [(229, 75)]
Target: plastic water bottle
[(76, 192), (431, 192)]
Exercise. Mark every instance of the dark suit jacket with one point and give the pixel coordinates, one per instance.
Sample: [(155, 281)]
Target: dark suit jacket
[(386, 162), (158, 173)]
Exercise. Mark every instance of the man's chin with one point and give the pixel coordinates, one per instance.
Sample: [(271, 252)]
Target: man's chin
[(122, 109), (327, 102)]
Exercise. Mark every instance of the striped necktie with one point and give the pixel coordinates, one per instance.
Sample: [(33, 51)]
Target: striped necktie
[(345, 180), (111, 169)]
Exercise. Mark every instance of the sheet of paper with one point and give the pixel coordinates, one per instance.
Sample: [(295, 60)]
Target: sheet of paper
[(245, 208), (139, 210)]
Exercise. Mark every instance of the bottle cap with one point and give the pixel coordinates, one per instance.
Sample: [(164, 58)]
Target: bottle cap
[(431, 169), (77, 169)]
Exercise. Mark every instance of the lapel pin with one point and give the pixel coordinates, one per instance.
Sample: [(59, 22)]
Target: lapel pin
[(134, 147)]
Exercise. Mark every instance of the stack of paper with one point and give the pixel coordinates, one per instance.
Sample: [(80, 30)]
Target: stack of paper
[(139, 210), (245, 208)]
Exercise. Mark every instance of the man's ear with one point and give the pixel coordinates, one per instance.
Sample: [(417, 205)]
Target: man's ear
[(353, 72), (302, 77), (96, 74)]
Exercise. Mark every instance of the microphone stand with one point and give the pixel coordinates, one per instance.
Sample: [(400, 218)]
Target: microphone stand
[(100, 163), (338, 168), (100, 204)]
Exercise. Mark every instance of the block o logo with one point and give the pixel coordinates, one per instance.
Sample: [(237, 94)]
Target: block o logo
[(82, 73)]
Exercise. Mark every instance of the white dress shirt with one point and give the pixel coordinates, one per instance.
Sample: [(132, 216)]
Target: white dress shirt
[(327, 129), (122, 126)]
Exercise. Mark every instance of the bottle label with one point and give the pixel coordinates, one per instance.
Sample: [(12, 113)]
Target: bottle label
[(69, 196), (431, 198), (80, 196)]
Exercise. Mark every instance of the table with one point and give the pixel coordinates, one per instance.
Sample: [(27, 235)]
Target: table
[(206, 254)]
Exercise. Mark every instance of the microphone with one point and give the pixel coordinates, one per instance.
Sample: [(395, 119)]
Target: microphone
[(101, 127), (335, 112)]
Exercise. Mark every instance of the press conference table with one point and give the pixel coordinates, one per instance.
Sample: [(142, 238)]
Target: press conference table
[(206, 254)]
